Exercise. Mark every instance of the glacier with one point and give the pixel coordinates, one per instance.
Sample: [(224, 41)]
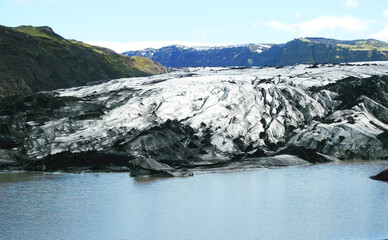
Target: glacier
[(195, 120)]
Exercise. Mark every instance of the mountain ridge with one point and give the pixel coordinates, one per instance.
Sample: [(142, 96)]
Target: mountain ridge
[(38, 59), (297, 51)]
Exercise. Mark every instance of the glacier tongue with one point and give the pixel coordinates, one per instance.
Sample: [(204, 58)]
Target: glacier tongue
[(205, 116)]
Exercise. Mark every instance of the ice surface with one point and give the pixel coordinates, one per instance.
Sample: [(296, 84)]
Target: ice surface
[(255, 107)]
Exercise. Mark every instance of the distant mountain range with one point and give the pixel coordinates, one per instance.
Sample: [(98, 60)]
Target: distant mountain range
[(35, 59), (297, 51)]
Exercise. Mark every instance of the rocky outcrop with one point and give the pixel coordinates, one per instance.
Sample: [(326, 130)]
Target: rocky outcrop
[(35, 59), (383, 176), (149, 167), (297, 51), (322, 50), (200, 120)]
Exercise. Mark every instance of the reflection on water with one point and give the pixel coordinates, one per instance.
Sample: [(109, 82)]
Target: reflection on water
[(147, 180), (326, 201), (9, 177)]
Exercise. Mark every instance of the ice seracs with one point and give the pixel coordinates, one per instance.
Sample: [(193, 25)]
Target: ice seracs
[(204, 116)]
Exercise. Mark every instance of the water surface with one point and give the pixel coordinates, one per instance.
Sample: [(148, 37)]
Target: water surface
[(326, 201)]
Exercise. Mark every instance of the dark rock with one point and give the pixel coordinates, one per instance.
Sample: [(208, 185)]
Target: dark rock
[(383, 176), (383, 137), (310, 155), (82, 161), (351, 120), (169, 142), (149, 167)]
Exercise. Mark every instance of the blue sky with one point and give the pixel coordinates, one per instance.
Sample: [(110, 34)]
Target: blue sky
[(136, 24)]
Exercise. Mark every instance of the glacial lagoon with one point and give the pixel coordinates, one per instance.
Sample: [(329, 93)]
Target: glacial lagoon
[(325, 201)]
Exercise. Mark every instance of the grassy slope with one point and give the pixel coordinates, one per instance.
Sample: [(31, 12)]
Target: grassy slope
[(35, 58)]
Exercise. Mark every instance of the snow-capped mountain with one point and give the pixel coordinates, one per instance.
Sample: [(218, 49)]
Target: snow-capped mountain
[(203, 119), (297, 51), (182, 56)]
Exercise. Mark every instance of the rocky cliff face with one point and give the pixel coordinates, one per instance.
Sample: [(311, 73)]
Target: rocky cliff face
[(321, 50), (297, 51), (181, 56), (34, 59), (203, 119)]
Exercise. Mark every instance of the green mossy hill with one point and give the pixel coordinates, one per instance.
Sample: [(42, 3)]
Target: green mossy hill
[(36, 59), (323, 50)]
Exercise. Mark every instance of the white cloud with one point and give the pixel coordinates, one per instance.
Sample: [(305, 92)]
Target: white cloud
[(348, 24), (255, 24), (385, 13), (297, 14), (122, 47), (323, 23), (280, 26), (351, 3), (381, 35)]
